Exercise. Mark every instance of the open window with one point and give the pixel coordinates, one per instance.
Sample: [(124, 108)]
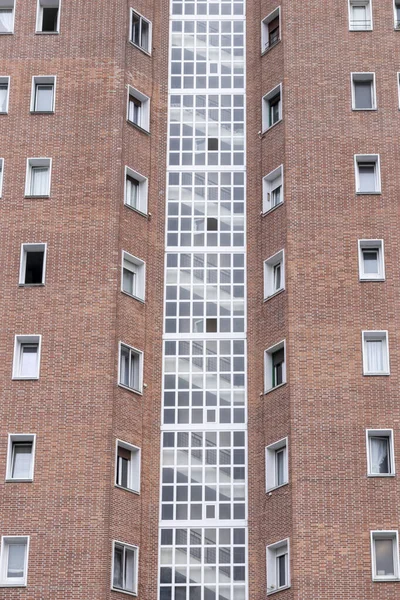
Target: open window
[(380, 452), (48, 16), (270, 30), (133, 276), (138, 109), (130, 368), (136, 190), (140, 31), (278, 567), (275, 366), (127, 468), (274, 274), (33, 264), (272, 107), (276, 464), (273, 189)]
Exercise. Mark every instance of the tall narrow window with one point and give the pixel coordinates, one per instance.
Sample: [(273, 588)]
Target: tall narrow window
[(133, 276), (380, 452), (138, 109), (32, 267), (385, 555), (270, 30), (38, 177), (272, 108), (371, 260), (26, 357), (14, 560), (360, 16), (124, 576), (275, 366), (1, 176), (273, 189), (128, 466), (278, 576), (21, 450), (136, 190), (367, 167), (43, 95), (274, 275), (397, 14), (48, 16), (363, 91), (131, 368), (140, 31), (276, 464), (375, 352), (4, 93), (7, 8)]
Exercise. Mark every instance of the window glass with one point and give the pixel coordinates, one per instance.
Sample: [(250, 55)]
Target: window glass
[(3, 97), (6, 20), (16, 560), (44, 97), (363, 94), (384, 557), (21, 460)]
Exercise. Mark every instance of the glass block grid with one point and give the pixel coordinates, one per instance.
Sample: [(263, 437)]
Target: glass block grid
[(223, 8)]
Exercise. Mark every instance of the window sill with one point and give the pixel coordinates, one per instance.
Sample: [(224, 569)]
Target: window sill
[(47, 32), (381, 475), (364, 109), (42, 112), (274, 388), (277, 487), (270, 592), (4, 112), (371, 279), (137, 210), (6, 33), (121, 487), (272, 126), (12, 585), (10, 480), (368, 193), (385, 374), (140, 48), (270, 210), (123, 592), (386, 579), (273, 295), (25, 378), (136, 126), (360, 30), (141, 300), (267, 50), (124, 387), (30, 285), (36, 197)]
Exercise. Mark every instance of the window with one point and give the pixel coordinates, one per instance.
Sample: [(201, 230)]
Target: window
[(7, 16), (48, 16), (371, 260), (133, 276), (274, 274), (20, 457), (275, 366), (138, 109), (385, 555), (33, 262), (278, 576), (397, 14), (360, 15), (38, 177), (136, 190), (1, 175), (125, 567), (273, 189), (14, 561), (140, 31), (4, 93), (26, 357), (375, 352), (367, 168), (276, 464), (130, 368), (43, 94), (272, 108), (127, 468), (363, 91), (270, 30), (380, 452)]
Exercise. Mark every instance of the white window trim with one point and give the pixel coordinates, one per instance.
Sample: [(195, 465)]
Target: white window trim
[(37, 162), (374, 244), (359, 77), (265, 107), (145, 117), (22, 582), (136, 551), (6, 79), (38, 16), (385, 534), (398, 86), (264, 29), (268, 366), (141, 366), (272, 550), (15, 438), (132, 12), (143, 190), (266, 191), (10, 4), (269, 264), (1, 176), (141, 283), (370, 158), (34, 247), (25, 339), (396, 27), (45, 80), (350, 2), (378, 335), (132, 479), (380, 433), (270, 464)]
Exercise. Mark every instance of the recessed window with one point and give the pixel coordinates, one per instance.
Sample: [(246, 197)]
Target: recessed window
[(272, 108), (4, 94), (20, 457), (33, 262), (397, 14), (375, 348), (273, 189), (270, 30), (130, 368), (278, 576), (7, 8), (363, 91), (38, 177), (140, 31), (48, 16), (212, 224), (1, 175), (14, 561), (380, 452), (43, 94), (360, 15), (133, 276), (136, 190), (368, 178), (26, 357), (276, 464), (275, 366), (371, 260), (385, 555), (212, 144), (124, 568), (274, 274), (211, 325), (127, 469), (138, 109)]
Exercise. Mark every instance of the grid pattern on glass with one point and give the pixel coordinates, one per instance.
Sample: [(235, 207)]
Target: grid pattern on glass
[(204, 381), (205, 559), (199, 201), (203, 469), (223, 8), (207, 55), (196, 119)]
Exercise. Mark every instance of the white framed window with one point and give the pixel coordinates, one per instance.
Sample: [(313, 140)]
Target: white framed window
[(273, 189), (140, 32), (396, 7), (371, 263), (130, 368), (26, 363), (43, 93), (363, 91), (274, 274), (375, 347), (271, 30), (275, 366), (20, 456), (133, 276), (368, 173), (33, 264), (1, 175), (278, 566), (138, 109), (38, 176), (276, 464), (4, 93), (380, 452), (48, 16), (127, 466), (7, 10), (385, 555), (360, 15), (124, 577), (272, 107), (14, 560), (136, 190)]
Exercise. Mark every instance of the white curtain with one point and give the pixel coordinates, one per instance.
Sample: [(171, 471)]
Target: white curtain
[(6, 20), (375, 356), (16, 560), (379, 455), (40, 181)]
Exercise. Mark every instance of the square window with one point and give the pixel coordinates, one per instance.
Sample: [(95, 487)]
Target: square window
[(48, 16), (136, 190), (276, 464), (278, 575), (43, 94), (26, 362), (4, 94), (363, 91), (14, 561), (38, 177), (380, 452), (274, 366), (371, 260), (272, 108), (385, 555), (138, 109), (7, 8), (127, 468), (140, 31), (1, 175), (270, 30), (273, 189), (367, 169), (274, 274), (133, 276), (20, 457), (124, 567), (360, 15), (375, 348), (33, 264), (130, 368)]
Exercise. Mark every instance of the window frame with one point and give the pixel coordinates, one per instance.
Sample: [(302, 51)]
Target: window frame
[(4, 581), (37, 162), (268, 366), (150, 24), (269, 265), (144, 124), (14, 438), (39, 18), (143, 191), (266, 107), (362, 76), (1, 176), (43, 80), (271, 464), (372, 245), (7, 5), (371, 335), (267, 191), (140, 274), (396, 22), (387, 433), (135, 549), (133, 477), (283, 548), (35, 247), (6, 79), (140, 354), (352, 3), (19, 340), (360, 159), (392, 534), (265, 46)]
